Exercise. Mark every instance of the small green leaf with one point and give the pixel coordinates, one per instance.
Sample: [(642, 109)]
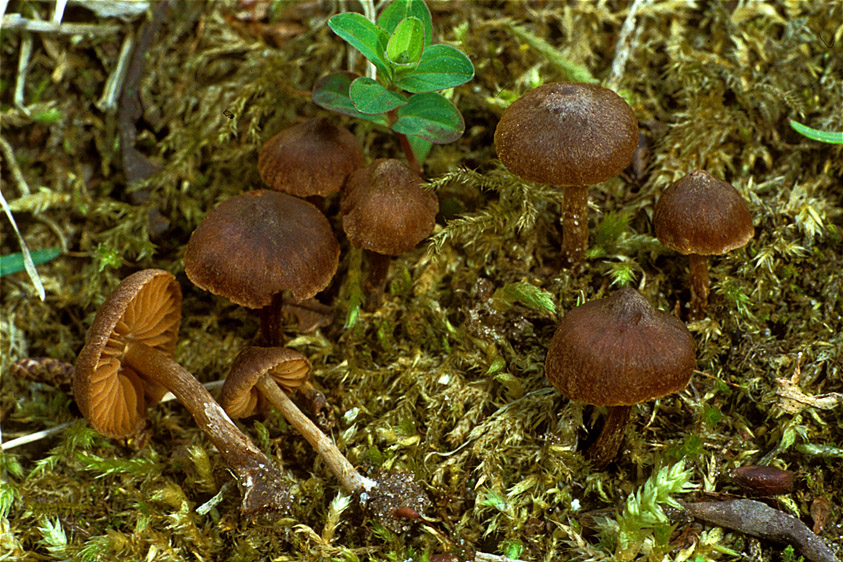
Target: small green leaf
[(532, 297), (440, 67), (371, 98), (431, 117), (332, 92), (420, 147), (14, 263), (406, 43), (830, 137), (364, 36), (396, 11)]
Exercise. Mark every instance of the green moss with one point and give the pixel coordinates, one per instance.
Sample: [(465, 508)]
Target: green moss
[(446, 379)]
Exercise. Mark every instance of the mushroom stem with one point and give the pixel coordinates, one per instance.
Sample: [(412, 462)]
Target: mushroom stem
[(272, 322), (376, 278), (574, 225), (698, 277), (351, 480), (602, 451), (258, 477)]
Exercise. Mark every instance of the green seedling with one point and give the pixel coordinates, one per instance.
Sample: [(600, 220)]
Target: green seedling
[(14, 263), (404, 95), (828, 137)]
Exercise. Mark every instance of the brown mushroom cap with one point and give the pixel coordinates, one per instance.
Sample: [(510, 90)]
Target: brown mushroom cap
[(567, 134), (700, 214), (385, 209), (145, 307), (619, 351), (312, 158), (239, 397), (260, 243)]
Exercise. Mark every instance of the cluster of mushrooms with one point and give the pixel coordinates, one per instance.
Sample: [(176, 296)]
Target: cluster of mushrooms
[(252, 249), (617, 351), (256, 246)]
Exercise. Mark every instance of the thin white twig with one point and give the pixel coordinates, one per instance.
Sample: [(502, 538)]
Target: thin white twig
[(625, 44)]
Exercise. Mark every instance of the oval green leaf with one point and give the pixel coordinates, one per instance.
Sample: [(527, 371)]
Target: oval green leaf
[(406, 43), (371, 98), (431, 117), (364, 36), (399, 10), (332, 92), (440, 67)]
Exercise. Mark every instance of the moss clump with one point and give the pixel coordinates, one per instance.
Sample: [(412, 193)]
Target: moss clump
[(445, 379)]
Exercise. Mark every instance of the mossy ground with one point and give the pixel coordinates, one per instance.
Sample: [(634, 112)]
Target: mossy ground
[(446, 378)]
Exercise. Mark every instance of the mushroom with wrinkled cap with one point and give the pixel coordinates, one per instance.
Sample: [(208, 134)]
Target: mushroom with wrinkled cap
[(127, 366), (570, 135), (699, 216), (386, 212), (618, 352)]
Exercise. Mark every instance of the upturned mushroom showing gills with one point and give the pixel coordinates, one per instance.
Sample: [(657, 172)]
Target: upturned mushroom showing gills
[(313, 158), (256, 245), (570, 135), (618, 352), (386, 212), (261, 375), (699, 216), (127, 366)]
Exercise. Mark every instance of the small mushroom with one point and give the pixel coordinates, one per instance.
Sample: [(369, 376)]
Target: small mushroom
[(570, 135), (127, 366), (618, 352), (256, 245), (386, 212), (311, 159), (263, 374), (699, 216)]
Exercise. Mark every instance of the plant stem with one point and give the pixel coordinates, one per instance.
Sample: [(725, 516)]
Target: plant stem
[(351, 480), (260, 480), (604, 450), (698, 278), (375, 279), (574, 225)]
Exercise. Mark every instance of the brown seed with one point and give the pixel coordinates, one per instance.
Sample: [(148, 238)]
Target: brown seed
[(820, 513), (762, 480)]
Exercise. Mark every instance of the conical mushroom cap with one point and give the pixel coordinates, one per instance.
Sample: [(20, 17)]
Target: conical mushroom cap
[(287, 367), (145, 307), (567, 134), (700, 214), (619, 351), (260, 243), (312, 158), (385, 209)]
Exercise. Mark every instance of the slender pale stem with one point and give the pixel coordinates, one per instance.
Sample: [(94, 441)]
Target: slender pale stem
[(574, 225), (351, 480), (698, 278), (604, 450), (258, 477)]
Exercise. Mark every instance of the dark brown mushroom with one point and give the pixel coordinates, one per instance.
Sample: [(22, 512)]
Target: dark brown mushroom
[(618, 352), (570, 135), (313, 158), (698, 216), (256, 245), (386, 212), (127, 366), (254, 377)]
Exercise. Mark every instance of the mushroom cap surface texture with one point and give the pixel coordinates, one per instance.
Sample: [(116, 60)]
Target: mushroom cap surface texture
[(619, 351), (700, 214), (311, 158), (567, 134), (385, 209), (239, 397), (260, 243), (145, 307)]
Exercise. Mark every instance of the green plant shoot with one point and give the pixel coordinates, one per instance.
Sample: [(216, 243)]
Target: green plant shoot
[(828, 137), (404, 96)]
